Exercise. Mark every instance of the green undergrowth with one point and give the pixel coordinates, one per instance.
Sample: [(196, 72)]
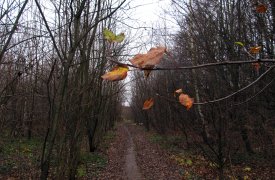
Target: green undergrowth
[(194, 165), (171, 143), (107, 140), (18, 154), (92, 163)]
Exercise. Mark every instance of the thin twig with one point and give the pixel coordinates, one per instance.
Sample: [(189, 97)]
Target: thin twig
[(234, 93), (198, 66)]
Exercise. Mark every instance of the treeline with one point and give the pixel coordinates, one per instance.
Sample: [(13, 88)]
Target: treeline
[(238, 121), (52, 56)]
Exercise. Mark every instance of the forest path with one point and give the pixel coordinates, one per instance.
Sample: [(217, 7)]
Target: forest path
[(132, 156), (131, 168)]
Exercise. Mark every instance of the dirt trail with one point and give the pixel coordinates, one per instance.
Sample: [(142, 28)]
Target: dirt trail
[(132, 156), (131, 168)]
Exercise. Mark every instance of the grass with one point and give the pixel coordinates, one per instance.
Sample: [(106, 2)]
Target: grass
[(171, 143), (106, 140), (18, 154), (96, 161)]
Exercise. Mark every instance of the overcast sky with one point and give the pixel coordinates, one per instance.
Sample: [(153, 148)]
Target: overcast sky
[(147, 18), (142, 20)]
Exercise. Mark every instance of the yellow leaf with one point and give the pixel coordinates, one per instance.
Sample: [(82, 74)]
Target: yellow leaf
[(239, 43), (108, 35), (112, 37), (255, 50), (185, 100), (119, 38), (148, 104), (119, 72)]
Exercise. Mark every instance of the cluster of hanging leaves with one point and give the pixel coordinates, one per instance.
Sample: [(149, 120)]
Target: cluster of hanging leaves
[(119, 72), (147, 62), (253, 50), (260, 8), (184, 99), (143, 61)]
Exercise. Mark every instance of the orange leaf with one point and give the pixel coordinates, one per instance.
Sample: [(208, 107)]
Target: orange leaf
[(261, 8), (256, 66), (119, 72), (185, 100), (255, 50), (148, 104), (150, 59)]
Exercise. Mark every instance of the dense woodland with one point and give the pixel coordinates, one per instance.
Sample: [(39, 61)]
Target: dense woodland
[(53, 54), (234, 112)]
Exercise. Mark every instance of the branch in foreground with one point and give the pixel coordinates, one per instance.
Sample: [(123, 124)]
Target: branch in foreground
[(240, 90), (234, 93), (198, 66)]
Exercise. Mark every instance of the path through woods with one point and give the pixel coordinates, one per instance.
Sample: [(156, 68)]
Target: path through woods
[(132, 156)]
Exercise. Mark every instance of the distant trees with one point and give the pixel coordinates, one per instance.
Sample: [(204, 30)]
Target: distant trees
[(52, 60), (208, 32)]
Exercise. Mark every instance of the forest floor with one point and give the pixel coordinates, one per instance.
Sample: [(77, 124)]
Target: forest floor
[(136, 154), (132, 156), (130, 152)]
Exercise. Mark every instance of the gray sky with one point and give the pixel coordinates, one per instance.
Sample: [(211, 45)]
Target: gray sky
[(147, 18), (144, 19)]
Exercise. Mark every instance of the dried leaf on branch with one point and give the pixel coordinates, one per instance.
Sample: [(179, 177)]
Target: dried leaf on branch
[(119, 72)]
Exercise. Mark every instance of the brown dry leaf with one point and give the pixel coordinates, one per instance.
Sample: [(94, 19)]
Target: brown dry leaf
[(119, 72), (148, 104), (185, 100), (150, 59), (255, 50), (261, 8), (147, 73)]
